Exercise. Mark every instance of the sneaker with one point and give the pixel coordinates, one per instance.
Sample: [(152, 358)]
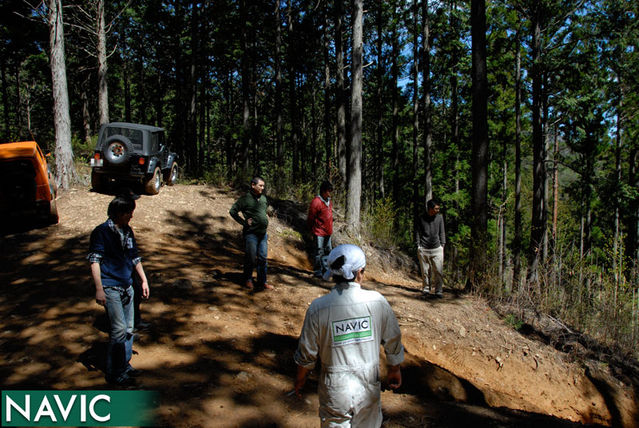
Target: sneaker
[(131, 372), (142, 325), (268, 287), (123, 380), (426, 289), (439, 294), (249, 284)]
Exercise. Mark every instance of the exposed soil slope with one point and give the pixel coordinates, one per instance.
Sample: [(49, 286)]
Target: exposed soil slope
[(221, 356)]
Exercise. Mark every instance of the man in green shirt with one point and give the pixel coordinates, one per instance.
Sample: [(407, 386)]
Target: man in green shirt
[(254, 221)]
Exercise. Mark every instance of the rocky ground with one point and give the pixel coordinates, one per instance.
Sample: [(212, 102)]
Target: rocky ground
[(222, 356)]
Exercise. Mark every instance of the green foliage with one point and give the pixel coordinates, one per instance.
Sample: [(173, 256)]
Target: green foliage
[(378, 221), (216, 175), (513, 321)]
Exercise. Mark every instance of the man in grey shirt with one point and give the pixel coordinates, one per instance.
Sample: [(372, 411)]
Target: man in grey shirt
[(431, 238)]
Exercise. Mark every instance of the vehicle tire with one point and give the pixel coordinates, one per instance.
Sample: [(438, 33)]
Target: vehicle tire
[(152, 186), (117, 149), (172, 178), (97, 181)]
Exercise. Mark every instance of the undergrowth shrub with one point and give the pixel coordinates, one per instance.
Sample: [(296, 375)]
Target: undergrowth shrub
[(588, 298), (378, 223)]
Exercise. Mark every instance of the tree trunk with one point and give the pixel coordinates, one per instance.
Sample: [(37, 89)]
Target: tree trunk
[(517, 238), (86, 117), (428, 132), (395, 106), (5, 102), (279, 145), (103, 88), (479, 164), (191, 143), (20, 118), (246, 104), (341, 90), (538, 221), (328, 142), (615, 249), (502, 214), (379, 105), (454, 103), (65, 169), (415, 183), (555, 205), (353, 200), (292, 82)]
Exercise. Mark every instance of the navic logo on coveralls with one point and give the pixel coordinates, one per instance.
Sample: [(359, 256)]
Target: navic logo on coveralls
[(352, 330)]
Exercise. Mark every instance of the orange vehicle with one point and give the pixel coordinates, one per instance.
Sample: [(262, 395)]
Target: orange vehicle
[(27, 187)]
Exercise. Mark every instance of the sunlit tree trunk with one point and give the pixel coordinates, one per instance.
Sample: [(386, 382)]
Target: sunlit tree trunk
[(328, 142), (103, 88), (395, 106), (354, 174), (65, 169), (340, 90), (517, 238), (426, 83), (615, 251), (379, 105), (415, 184), (86, 117)]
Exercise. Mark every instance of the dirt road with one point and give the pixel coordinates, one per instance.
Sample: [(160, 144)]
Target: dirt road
[(220, 356)]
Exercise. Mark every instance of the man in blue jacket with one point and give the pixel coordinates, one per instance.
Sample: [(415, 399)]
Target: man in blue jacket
[(113, 254)]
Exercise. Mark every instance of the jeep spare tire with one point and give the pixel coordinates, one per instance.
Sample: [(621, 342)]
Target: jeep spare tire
[(117, 149), (152, 186)]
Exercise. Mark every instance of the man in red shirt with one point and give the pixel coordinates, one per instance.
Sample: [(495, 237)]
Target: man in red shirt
[(320, 221)]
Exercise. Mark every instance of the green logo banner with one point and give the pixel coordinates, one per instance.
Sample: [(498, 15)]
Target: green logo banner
[(78, 408)]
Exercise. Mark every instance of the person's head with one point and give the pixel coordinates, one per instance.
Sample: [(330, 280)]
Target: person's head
[(326, 188), (345, 262), (121, 210), (257, 185), (433, 207)]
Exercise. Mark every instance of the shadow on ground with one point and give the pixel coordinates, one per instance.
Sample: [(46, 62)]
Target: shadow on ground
[(46, 292)]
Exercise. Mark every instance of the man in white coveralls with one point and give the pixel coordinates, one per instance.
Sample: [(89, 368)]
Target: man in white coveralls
[(344, 329)]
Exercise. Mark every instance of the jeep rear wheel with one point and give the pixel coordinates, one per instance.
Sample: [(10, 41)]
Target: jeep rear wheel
[(97, 181), (172, 178), (152, 186)]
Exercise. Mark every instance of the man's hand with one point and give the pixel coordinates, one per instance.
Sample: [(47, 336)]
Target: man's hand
[(394, 377), (146, 291), (249, 221), (100, 297), (300, 380)]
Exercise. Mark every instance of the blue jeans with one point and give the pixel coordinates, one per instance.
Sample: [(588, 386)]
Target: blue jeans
[(322, 247), (119, 309), (256, 253)]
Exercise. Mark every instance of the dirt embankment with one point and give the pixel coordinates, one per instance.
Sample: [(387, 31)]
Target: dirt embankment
[(220, 356)]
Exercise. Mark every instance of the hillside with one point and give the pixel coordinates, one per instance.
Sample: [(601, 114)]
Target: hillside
[(221, 356)]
